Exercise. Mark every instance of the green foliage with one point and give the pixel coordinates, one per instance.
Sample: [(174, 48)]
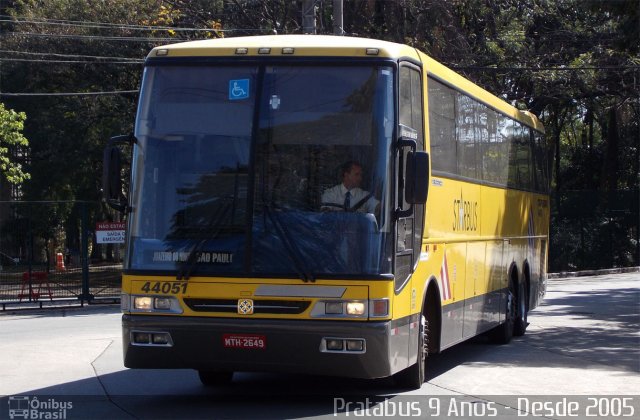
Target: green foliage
[(574, 63), (11, 138)]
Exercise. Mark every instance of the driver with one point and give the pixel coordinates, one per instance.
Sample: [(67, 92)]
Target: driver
[(348, 196)]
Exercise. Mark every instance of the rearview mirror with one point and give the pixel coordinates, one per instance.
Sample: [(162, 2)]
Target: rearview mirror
[(112, 191), (414, 171), (417, 186)]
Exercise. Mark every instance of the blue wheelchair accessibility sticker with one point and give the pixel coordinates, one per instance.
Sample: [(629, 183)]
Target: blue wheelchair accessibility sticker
[(238, 89)]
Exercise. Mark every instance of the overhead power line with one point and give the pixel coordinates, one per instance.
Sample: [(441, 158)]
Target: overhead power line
[(115, 92), (94, 37), (481, 68), (100, 25), (96, 57), (103, 25), (29, 60)]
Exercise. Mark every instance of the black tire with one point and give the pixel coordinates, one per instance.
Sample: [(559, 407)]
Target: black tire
[(503, 333), (413, 376), (215, 378), (522, 309)]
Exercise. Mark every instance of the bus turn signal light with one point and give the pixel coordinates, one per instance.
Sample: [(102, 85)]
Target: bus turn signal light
[(379, 308)]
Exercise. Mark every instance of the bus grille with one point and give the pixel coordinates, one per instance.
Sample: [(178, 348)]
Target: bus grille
[(291, 307)]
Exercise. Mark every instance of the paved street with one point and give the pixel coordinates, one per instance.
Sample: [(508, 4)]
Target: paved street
[(584, 340)]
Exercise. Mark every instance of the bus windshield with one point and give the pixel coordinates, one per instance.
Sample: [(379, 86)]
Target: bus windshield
[(231, 164)]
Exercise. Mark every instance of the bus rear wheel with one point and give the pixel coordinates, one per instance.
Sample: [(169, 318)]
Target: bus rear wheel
[(521, 323), (413, 376), (215, 378), (503, 333)]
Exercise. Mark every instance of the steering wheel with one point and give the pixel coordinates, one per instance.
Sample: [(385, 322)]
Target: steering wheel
[(353, 209)]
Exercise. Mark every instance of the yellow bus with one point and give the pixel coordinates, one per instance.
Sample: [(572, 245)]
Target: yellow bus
[(323, 205)]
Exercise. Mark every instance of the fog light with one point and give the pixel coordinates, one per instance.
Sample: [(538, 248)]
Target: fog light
[(334, 344), (333, 308), (160, 338), (141, 338), (355, 308), (142, 303), (355, 345), (162, 303)]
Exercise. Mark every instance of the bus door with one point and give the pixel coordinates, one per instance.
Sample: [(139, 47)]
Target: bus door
[(408, 227)]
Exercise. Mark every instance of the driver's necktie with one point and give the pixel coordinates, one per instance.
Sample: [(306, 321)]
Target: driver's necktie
[(347, 201)]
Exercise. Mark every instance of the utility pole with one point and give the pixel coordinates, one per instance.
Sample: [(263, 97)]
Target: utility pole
[(338, 24), (309, 16)]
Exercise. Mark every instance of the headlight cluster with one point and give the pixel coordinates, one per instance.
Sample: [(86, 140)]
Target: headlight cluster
[(143, 303), (373, 308)]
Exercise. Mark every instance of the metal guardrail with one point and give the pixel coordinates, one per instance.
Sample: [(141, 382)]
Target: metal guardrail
[(18, 287), (49, 253)]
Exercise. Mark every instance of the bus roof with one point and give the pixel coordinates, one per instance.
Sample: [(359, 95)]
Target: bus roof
[(302, 45), (337, 46)]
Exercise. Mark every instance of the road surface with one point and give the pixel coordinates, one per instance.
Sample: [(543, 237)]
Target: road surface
[(582, 348)]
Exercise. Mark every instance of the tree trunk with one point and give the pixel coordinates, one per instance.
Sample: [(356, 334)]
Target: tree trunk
[(609, 179)]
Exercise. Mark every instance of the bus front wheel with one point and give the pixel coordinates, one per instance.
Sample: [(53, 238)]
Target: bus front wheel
[(215, 378), (413, 376)]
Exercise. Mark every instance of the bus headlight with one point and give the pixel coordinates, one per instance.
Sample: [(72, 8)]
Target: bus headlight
[(163, 304), (356, 308), (333, 308), (340, 309), (142, 303)]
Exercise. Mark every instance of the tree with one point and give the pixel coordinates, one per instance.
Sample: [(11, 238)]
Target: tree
[(12, 140), (574, 63)]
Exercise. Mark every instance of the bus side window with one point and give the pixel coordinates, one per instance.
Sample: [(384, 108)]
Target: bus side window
[(409, 229)]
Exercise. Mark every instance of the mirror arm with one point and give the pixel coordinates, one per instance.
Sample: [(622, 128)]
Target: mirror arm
[(128, 139), (399, 213), (408, 137), (404, 142)]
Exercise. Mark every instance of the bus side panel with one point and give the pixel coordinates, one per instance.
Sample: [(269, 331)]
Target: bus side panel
[(497, 278), (453, 273), (540, 226), (478, 298)]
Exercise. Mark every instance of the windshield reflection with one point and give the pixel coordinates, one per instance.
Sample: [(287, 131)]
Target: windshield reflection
[(200, 209)]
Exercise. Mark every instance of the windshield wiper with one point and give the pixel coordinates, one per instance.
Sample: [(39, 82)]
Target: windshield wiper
[(212, 230), (284, 236)]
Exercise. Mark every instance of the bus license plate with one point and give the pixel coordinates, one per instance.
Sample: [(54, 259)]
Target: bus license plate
[(244, 341)]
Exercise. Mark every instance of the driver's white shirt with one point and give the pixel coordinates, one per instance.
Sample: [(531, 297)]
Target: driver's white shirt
[(336, 195)]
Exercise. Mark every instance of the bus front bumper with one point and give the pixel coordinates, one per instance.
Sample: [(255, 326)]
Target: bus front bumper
[(291, 346)]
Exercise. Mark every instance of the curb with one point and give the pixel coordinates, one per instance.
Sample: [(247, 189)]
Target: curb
[(586, 273), (45, 305)]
